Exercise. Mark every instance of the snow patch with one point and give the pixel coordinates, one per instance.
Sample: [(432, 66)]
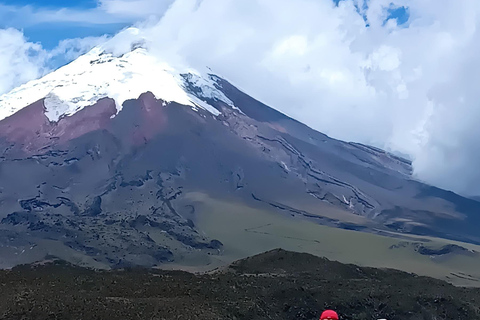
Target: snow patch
[(284, 165), (205, 88)]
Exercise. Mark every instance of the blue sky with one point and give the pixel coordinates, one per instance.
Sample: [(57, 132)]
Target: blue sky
[(53, 3), (401, 14), (49, 33)]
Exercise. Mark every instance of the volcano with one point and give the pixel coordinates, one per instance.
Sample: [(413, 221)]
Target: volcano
[(103, 161)]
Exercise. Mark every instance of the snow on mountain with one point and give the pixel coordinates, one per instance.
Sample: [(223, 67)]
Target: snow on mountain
[(100, 74)]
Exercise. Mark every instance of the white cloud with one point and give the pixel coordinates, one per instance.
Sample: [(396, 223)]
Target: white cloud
[(135, 8), (20, 60), (70, 49), (410, 89)]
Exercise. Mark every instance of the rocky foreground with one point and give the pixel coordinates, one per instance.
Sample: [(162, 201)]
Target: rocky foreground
[(274, 285)]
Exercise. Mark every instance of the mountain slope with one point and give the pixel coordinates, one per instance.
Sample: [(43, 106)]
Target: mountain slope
[(99, 159)]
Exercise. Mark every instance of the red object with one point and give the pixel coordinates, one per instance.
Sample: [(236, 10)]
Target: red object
[(329, 314)]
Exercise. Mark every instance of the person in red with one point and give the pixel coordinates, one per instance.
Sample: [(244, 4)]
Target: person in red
[(329, 314)]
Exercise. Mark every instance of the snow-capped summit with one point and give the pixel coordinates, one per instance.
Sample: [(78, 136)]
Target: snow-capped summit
[(121, 76)]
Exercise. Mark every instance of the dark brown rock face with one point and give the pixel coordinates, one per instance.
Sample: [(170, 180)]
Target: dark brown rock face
[(31, 130)]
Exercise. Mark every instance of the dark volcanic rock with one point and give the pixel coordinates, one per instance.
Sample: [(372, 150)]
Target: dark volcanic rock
[(36, 205), (274, 285), (94, 208), (16, 218), (450, 248)]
